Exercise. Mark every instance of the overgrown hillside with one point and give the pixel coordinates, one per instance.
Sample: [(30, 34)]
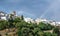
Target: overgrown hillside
[(18, 27)]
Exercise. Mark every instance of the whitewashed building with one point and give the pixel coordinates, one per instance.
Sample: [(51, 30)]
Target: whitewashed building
[(52, 22), (57, 23), (38, 20), (13, 15), (29, 20), (3, 16)]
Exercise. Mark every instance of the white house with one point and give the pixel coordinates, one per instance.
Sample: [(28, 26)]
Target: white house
[(38, 20), (52, 22), (29, 20), (13, 15), (3, 16), (57, 23)]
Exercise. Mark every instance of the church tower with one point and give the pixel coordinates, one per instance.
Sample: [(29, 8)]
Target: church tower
[(14, 13)]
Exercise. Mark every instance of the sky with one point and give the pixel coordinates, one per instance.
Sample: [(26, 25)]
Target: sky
[(47, 9)]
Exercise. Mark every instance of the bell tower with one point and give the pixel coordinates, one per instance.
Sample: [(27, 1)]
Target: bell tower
[(14, 13)]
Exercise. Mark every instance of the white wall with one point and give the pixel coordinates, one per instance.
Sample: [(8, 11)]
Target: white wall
[(29, 20), (3, 18)]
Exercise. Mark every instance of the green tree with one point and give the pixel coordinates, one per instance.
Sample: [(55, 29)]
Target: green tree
[(56, 30), (44, 26), (22, 17), (16, 21), (47, 34), (3, 24), (23, 32), (54, 34)]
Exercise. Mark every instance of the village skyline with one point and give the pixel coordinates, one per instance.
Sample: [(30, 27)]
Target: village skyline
[(48, 9)]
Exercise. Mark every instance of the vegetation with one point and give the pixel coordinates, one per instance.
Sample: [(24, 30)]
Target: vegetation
[(45, 26), (28, 29)]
